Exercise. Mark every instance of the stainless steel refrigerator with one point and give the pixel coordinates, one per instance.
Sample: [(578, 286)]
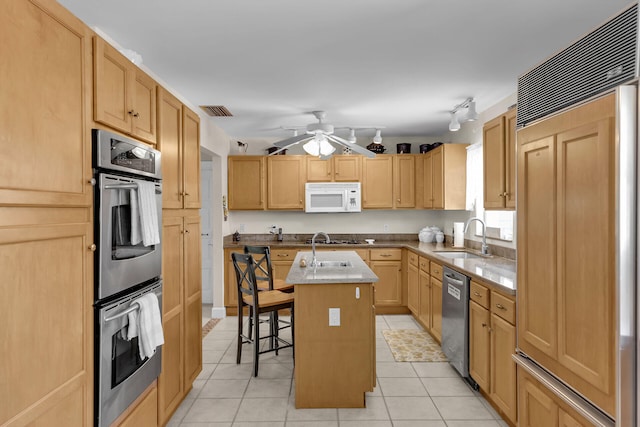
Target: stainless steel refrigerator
[(577, 215)]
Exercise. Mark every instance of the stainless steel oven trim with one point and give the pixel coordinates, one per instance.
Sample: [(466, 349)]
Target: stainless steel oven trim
[(102, 153), (112, 402)]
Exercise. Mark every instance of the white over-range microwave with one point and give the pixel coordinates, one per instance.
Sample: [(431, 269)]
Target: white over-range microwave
[(333, 197)]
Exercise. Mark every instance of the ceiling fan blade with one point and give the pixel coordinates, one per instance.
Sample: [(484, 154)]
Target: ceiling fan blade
[(293, 140), (354, 147)]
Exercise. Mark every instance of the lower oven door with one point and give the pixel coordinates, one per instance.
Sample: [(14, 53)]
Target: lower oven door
[(121, 376)]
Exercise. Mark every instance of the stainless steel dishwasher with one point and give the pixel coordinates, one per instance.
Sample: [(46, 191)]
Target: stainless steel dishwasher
[(455, 320)]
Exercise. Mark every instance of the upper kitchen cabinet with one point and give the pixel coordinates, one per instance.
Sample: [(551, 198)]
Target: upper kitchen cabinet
[(345, 168), (125, 97), (441, 177), (566, 203), (377, 182), (179, 143), (246, 182), (46, 106), (404, 181), (285, 182), (499, 152)]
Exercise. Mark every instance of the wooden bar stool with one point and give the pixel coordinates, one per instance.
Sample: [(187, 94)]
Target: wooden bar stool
[(259, 302)]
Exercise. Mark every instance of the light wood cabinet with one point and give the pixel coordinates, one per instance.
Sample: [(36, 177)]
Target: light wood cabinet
[(387, 265), (424, 313), (181, 309), (429, 313), (346, 168), (124, 96), (143, 412), (282, 260), (46, 106), (539, 407), (413, 283), (336, 375), (377, 182), (441, 177), (566, 284), (436, 308), (499, 155), (404, 181), (179, 143), (479, 344), (46, 229), (285, 182), (247, 182)]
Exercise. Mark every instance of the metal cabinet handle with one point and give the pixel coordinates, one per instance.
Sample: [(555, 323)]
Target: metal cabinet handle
[(477, 294), (92, 247), (501, 307), (484, 325), (385, 255), (283, 255)]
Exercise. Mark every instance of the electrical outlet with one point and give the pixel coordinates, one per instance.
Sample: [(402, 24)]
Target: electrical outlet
[(385, 227), (334, 317), (241, 228)]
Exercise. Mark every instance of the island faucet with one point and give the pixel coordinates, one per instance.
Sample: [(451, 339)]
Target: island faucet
[(485, 248), (313, 246)]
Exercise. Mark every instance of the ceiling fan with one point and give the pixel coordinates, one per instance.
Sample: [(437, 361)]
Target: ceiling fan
[(319, 137)]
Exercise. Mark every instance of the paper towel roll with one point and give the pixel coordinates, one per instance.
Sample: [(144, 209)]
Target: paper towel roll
[(458, 234)]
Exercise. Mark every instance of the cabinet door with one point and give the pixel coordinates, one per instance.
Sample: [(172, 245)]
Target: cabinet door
[(377, 182), (246, 181), (510, 159), (191, 159), (347, 168), (170, 381), (404, 181), (493, 152), (479, 344), (285, 182), (436, 308), (503, 368), (427, 181), (566, 420), (537, 409), (170, 144), (113, 90), (192, 300), (425, 300), (144, 107), (47, 331), (319, 170), (413, 289), (45, 104), (389, 285), (145, 414), (437, 177)]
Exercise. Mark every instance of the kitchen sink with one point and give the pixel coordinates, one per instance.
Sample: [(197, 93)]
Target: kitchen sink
[(458, 254), (334, 264)]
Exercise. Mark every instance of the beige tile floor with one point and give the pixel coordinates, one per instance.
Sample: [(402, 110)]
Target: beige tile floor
[(408, 394)]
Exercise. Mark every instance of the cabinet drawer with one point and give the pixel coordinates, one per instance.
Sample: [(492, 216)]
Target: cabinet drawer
[(413, 258), (479, 294), (385, 255), (436, 270), (424, 264), (283, 254), (503, 307)]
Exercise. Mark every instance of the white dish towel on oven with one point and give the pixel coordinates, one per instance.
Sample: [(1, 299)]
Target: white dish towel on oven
[(144, 215), (149, 324)]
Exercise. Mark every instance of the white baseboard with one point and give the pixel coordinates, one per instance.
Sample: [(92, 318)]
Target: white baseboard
[(218, 313)]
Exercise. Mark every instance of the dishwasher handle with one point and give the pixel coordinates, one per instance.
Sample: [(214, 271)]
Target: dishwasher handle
[(453, 280)]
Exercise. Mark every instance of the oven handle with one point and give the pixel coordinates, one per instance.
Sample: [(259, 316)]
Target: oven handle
[(126, 187), (133, 307)]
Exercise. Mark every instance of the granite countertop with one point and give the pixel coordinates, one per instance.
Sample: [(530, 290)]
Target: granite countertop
[(494, 270), (357, 272)]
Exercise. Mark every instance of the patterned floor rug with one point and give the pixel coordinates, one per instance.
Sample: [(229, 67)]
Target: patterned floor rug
[(412, 345), (207, 327)]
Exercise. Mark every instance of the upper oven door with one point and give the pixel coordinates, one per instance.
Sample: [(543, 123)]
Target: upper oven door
[(122, 259)]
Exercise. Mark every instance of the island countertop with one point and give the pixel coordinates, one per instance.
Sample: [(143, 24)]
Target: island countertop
[(357, 272)]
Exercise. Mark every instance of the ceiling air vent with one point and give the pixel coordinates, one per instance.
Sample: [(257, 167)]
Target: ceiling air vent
[(604, 58), (216, 110)]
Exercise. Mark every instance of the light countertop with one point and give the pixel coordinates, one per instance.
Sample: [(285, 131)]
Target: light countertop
[(357, 272)]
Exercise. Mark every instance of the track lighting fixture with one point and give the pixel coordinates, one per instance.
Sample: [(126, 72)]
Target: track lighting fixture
[(471, 115), (352, 136), (378, 138)]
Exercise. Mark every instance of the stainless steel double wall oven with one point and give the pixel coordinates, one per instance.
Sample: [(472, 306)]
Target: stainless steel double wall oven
[(125, 269)]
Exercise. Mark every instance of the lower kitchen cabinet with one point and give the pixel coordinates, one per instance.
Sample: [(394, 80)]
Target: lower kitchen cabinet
[(492, 342), (539, 407), (413, 283), (424, 311), (181, 309), (387, 265), (281, 260), (436, 308), (143, 412)]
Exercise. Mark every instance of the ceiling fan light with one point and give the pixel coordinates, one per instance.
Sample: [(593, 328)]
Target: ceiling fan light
[(472, 114), (454, 125), (326, 148), (378, 138), (312, 147), (352, 136)]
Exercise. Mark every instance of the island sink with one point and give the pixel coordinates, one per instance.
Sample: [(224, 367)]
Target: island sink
[(334, 264)]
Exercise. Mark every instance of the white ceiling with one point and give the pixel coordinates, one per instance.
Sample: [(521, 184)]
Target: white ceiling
[(402, 64)]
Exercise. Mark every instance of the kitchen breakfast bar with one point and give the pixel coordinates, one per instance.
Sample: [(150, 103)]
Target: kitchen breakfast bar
[(335, 349)]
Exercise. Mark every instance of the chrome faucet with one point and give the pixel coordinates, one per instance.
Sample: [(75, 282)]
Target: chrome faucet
[(313, 246), (485, 248)]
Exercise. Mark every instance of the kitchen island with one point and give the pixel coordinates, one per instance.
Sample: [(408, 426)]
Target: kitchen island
[(335, 355)]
